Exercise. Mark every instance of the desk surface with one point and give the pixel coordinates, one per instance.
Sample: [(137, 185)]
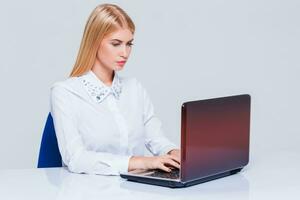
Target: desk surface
[(276, 177)]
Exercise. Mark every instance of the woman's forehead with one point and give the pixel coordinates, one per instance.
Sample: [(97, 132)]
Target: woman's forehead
[(121, 34)]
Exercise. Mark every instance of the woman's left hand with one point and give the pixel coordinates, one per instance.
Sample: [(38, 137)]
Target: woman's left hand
[(175, 153)]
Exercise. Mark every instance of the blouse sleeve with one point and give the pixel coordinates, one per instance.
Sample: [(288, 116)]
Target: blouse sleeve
[(74, 154), (156, 141)]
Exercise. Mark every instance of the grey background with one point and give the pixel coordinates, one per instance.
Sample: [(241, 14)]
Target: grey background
[(183, 50)]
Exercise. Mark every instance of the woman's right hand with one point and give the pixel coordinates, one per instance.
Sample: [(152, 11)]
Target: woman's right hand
[(164, 162)]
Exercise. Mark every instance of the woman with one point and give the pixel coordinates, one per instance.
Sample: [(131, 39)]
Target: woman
[(102, 120)]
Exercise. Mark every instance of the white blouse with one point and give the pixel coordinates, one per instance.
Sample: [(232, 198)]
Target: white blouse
[(99, 128)]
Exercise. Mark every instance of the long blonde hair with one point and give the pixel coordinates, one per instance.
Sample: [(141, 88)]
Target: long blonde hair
[(104, 19)]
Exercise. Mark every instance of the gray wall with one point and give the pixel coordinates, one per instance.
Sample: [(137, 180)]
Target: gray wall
[(183, 50)]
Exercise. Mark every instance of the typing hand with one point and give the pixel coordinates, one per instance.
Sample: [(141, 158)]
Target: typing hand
[(175, 153), (164, 162)]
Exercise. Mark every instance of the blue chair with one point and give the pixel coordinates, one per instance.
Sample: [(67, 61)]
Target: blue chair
[(49, 155)]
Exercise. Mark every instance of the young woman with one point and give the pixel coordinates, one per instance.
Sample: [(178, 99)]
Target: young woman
[(102, 120)]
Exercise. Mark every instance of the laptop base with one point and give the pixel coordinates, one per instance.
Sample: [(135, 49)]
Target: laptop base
[(176, 184)]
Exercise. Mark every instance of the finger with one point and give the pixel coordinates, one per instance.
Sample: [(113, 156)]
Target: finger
[(164, 168), (175, 158), (172, 163)]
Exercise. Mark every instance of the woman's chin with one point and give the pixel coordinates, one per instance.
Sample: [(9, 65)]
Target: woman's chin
[(119, 68)]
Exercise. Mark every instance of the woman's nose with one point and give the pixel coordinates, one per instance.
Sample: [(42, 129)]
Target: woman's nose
[(124, 52)]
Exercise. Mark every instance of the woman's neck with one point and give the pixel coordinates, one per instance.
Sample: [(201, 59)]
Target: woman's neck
[(104, 74)]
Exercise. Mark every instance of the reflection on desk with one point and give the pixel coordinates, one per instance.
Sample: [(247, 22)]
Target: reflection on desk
[(59, 183), (272, 176)]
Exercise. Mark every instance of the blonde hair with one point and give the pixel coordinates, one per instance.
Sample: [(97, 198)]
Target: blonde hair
[(104, 19)]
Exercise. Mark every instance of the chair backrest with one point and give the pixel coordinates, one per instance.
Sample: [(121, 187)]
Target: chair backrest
[(49, 155)]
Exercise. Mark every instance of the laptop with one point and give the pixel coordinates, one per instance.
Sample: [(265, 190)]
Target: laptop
[(214, 143)]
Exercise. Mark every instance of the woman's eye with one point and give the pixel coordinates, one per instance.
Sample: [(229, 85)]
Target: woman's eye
[(130, 44), (117, 44)]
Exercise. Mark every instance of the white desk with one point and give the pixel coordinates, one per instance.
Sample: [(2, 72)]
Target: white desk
[(276, 177)]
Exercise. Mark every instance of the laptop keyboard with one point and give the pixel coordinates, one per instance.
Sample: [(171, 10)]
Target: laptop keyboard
[(174, 174)]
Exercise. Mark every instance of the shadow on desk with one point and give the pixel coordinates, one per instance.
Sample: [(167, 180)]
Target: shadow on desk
[(231, 185), (83, 186)]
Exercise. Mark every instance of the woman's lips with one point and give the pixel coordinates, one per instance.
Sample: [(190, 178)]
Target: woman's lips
[(121, 62)]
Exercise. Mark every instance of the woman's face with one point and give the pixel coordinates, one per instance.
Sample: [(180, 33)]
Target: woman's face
[(115, 49)]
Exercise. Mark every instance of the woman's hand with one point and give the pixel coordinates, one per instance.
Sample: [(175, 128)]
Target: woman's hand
[(165, 162), (175, 153)]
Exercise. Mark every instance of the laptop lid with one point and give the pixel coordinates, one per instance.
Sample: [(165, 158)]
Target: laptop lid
[(214, 136)]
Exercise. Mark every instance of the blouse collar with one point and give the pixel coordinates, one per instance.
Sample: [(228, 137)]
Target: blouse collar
[(98, 90)]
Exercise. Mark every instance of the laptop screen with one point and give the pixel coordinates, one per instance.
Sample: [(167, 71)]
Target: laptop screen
[(215, 136)]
